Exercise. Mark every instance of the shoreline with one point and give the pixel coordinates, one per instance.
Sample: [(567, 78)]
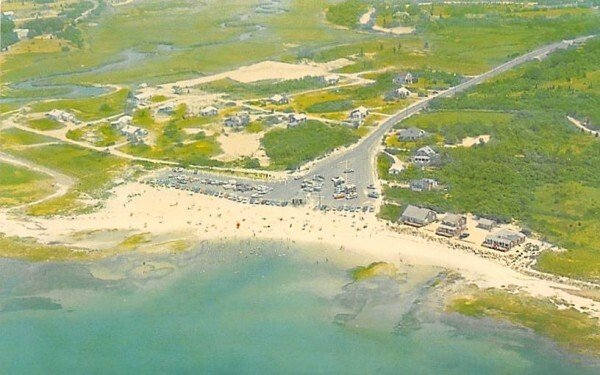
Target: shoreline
[(174, 215)]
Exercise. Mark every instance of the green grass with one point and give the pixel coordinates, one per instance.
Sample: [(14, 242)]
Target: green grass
[(33, 251), (347, 13), (20, 185), (389, 212), (90, 108), (44, 124), (568, 327), (13, 137), (93, 170), (373, 270), (289, 148), (262, 89)]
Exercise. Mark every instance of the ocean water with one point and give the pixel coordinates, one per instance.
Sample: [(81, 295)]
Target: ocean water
[(251, 307)]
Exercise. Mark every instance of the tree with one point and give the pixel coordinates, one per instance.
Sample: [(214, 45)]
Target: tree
[(8, 36)]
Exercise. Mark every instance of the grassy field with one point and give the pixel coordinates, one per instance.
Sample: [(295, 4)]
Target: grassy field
[(93, 171), (537, 168), (44, 124), (289, 148), (88, 109), (20, 185), (172, 142), (16, 137), (262, 89), (568, 327)]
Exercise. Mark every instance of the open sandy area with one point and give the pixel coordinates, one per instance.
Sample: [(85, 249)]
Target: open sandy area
[(471, 141), (239, 144), (136, 207)]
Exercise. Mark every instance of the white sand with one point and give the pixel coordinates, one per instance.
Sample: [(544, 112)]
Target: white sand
[(471, 141), (163, 211), (239, 144)]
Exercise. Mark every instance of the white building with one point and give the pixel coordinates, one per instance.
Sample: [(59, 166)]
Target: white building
[(209, 111), (359, 113)]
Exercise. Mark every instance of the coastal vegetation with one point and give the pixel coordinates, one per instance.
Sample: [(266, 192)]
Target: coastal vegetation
[(537, 167), (373, 270), (88, 109), (288, 148), (20, 185), (92, 170), (567, 326)]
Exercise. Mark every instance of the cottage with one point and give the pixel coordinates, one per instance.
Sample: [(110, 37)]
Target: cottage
[(504, 240), (279, 99), (425, 155), (486, 224), (402, 92), (209, 111), (167, 109), (296, 119), (61, 116), (452, 225), (9, 14), (331, 79), (122, 121), (417, 216), (396, 169), (411, 134), (359, 113), (133, 133), (423, 184), (239, 120), (405, 78)]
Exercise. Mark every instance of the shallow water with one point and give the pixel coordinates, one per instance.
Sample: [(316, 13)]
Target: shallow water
[(249, 308)]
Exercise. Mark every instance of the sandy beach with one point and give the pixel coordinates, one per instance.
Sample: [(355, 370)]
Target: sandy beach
[(139, 208)]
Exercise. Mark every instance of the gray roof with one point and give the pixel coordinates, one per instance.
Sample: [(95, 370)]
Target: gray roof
[(416, 212), (426, 150), (507, 235), (411, 132), (453, 219), (486, 222)]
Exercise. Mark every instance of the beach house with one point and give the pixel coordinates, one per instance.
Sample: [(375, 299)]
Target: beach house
[(452, 225), (279, 99), (425, 155), (417, 216), (296, 119), (122, 122), (423, 184), (486, 224), (239, 120), (359, 113), (209, 111), (504, 240), (405, 78), (331, 79)]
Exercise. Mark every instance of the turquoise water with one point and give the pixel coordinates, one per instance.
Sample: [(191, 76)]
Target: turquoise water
[(250, 308)]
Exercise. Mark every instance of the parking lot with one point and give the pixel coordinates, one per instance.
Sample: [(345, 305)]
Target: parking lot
[(337, 193)]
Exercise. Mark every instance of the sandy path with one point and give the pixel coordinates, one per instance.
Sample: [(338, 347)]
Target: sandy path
[(62, 182)]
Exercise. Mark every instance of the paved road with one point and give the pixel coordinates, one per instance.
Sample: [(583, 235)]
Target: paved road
[(362, 156)]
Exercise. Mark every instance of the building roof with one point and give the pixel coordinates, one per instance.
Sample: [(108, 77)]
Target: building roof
[(360, 109), (426, 150), (418, 213), (411, 132), (486, 222), (277, 98), (452, 219), (505, 234)]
